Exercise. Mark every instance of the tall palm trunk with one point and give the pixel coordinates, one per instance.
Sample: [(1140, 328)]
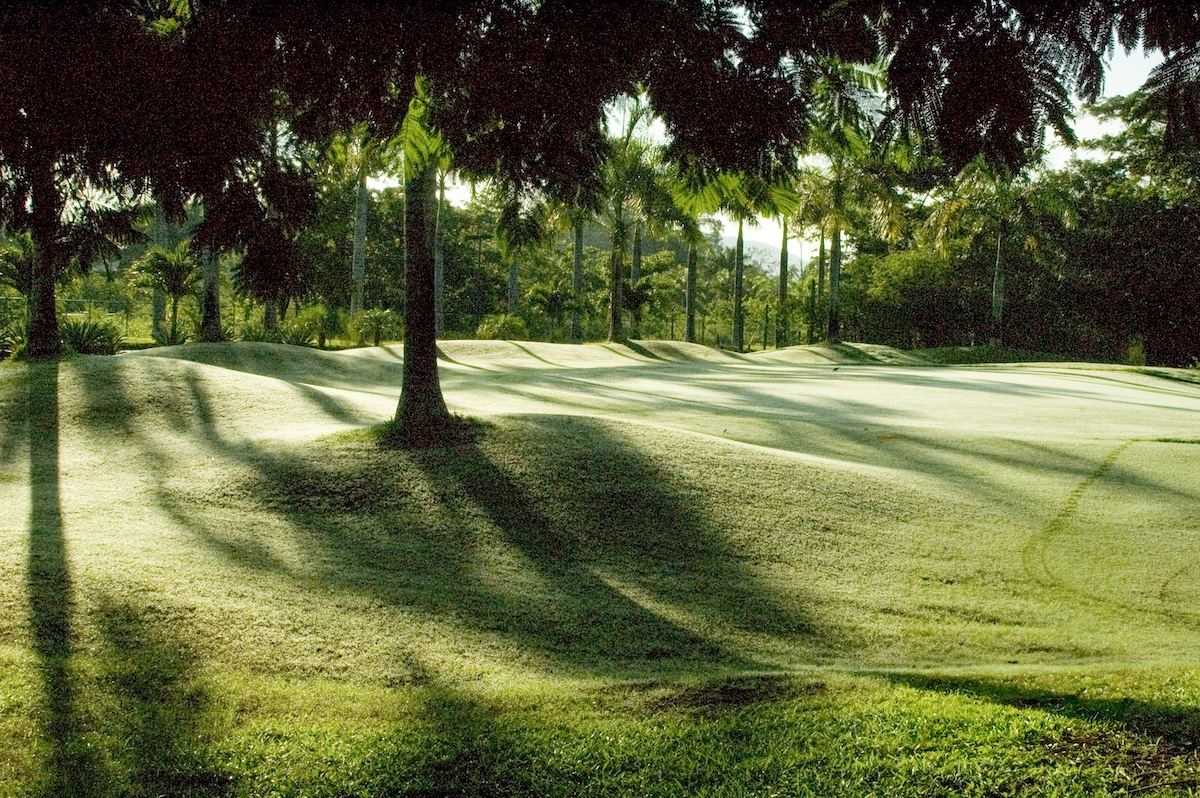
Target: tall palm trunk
[(210, 317), (358, 255), (738, 274), (514, 283), (158, 297), (174, 339), (577, 286), (835, 274), (422, 413), (616, 279), (689, 296), (45, 339), (997, 335), (781, 321), (635, 276), (439, 263), (821, 304)]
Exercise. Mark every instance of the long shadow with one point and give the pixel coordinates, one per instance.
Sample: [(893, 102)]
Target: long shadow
[(71, 766), (625, 569), (147, 671), (601, 562)]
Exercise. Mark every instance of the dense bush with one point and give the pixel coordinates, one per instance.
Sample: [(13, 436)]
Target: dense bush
[(376, 325), (90, 337), (259, 333), (502, 326)]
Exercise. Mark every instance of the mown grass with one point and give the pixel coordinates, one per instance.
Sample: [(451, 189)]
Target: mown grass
[(567, 606)]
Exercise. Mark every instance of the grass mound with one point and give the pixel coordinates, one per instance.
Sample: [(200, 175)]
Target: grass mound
[(219, 582)]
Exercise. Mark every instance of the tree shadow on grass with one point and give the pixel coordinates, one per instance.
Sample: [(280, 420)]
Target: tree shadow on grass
[(145, 673), (553, 532)]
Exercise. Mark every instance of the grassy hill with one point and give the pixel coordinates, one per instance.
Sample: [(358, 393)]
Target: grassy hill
[(656, 569)]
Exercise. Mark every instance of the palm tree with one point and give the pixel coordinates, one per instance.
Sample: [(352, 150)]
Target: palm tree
[(981, 202), (847, 172), (421, 414), (173, 271), (637, 196)]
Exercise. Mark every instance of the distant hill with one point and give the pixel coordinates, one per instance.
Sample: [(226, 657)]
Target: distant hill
[(764, 254)]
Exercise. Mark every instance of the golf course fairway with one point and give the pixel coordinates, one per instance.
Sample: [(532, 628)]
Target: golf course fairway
[(654, 569)]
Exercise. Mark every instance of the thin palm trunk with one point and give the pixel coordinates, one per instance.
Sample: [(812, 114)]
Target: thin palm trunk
[(998, 296), (358, 263), (616, 279), (514, 284), (635, 275), (174, 320), (689, 297), (781, 321), (822, 305), (812, 312), (158, 297), (210, 317), (439, 263), (835, 273), (616, 297), (738, 274), (422, 413), (577, 287)]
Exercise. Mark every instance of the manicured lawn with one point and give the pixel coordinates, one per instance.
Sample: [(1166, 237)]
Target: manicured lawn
[(652, 570)]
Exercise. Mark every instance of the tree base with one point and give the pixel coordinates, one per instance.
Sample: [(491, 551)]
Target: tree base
[(446, 431)]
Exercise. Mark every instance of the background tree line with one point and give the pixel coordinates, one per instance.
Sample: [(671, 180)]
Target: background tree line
[(863, 123)]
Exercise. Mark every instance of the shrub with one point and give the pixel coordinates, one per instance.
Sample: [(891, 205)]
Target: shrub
[(12, 340), (299, 332), (376, 324), (315, 321), (89, 337), (256, 332), (169, 337), (502, 326)]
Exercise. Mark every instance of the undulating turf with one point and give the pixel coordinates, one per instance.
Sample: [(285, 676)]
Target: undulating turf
[(652, 570)]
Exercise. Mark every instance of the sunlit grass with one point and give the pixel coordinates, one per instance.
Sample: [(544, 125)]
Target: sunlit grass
[(202, 592)]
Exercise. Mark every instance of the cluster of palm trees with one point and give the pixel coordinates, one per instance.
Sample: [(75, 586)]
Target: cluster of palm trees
[(201, 100)]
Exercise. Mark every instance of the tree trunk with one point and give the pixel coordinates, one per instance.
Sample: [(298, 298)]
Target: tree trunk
[(811, 336), (174, 339), (358, 256), (635, 276), (616, 295), (835, 274), (439, 263), (45, 338), (998, 297), (514, 284), (421, 414), (738, 274), (821, 304), (210, 317), (270, 315), (689, 328), (577, 287), (781, 325)]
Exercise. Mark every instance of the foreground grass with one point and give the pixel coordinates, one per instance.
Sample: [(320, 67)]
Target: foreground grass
[(148, 725), (571, 606)]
